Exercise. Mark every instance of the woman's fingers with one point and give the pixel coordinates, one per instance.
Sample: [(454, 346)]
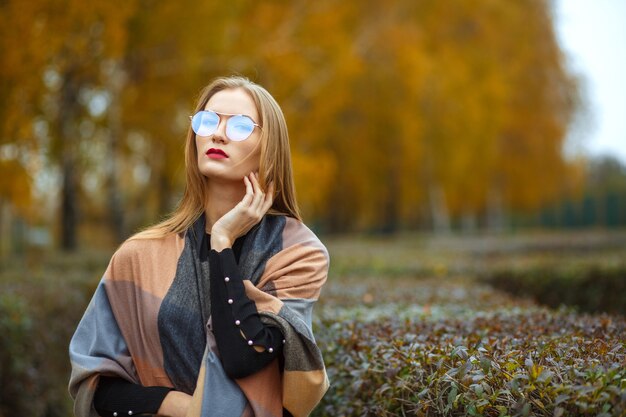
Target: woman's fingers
[(248, 212), (249, 197), (257, 202)]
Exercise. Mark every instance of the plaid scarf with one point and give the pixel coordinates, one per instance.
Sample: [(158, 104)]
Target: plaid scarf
[(149, 322)]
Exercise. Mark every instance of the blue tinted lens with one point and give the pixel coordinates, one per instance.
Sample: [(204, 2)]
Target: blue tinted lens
[(239, 128), (204, 123)]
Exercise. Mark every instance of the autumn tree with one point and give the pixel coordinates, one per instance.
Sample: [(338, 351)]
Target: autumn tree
[(55, 68), (401, 114)]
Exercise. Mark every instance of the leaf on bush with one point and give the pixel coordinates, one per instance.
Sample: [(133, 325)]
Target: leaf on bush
[(452, 396), (545, 376), (559, 399), (529, 363), (485, 363), (460, 351)]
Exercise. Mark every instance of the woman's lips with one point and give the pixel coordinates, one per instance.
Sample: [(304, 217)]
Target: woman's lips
[(215, 153)]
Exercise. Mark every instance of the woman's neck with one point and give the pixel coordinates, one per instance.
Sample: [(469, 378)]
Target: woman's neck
[(222, 196)]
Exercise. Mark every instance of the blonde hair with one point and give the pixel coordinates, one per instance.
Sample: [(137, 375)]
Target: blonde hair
[(275, 162)]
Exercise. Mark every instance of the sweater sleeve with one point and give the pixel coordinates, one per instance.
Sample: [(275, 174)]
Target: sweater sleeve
[(245, 344), (117, 397)]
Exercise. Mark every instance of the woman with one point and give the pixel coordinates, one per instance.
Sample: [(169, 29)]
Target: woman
[(209, 312)]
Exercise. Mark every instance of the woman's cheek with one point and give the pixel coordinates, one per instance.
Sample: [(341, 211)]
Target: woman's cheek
[(251, 164), (250, 159)]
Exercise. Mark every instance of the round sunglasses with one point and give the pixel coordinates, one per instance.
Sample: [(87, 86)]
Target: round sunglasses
[(238, 126)]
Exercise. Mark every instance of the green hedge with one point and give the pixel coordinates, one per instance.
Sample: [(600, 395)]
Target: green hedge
[(16, 357), (591, 288), (40, 306), (419, 347), (508, 363)]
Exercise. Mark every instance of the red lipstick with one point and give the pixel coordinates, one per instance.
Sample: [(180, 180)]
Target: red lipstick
[(215, 153)]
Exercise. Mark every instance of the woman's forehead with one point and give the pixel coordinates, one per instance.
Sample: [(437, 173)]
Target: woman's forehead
[(233, 101)]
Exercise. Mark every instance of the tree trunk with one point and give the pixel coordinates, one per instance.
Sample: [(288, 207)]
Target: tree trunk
[(115, 209), (69, 204), (116, 212), (391, 206), (165, 193), (68, 111), (439, 209), (335, 219), (468, 222), (5, 221), (495, 211)]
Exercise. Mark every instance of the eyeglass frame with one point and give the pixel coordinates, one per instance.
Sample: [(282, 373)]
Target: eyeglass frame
[(219, 115)]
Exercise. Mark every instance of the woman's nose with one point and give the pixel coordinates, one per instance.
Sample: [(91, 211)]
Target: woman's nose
[(220, 133)]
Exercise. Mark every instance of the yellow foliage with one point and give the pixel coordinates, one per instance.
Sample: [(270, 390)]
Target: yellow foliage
[(383, 102), (15, 184), (314, 176)]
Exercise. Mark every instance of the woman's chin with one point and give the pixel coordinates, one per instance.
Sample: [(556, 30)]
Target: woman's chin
[(223, 177), (226, 173)]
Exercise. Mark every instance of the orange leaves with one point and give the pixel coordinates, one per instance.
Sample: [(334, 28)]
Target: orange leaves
[(14, 183), (313, 195), (385, 101)]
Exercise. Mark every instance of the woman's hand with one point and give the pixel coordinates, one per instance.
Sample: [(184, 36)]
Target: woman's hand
[(248, 212), (175, 404)]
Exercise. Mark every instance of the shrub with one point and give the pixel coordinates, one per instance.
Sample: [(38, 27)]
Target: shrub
[(40, 306), (591, 288), (17, 376), (516, 362), (405, 340)]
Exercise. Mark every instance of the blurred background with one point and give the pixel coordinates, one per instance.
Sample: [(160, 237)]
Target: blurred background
[(464, 118), (403, 115)]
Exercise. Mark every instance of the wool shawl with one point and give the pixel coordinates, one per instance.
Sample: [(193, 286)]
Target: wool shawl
[(149, 322)]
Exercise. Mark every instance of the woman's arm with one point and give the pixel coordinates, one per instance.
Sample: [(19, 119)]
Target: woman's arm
[(245, 343), (117, 397)]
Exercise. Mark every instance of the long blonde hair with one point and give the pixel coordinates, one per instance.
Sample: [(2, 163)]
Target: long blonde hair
[(275, 162)]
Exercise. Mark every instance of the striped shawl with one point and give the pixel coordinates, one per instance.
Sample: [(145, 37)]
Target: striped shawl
[(149, 322)]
